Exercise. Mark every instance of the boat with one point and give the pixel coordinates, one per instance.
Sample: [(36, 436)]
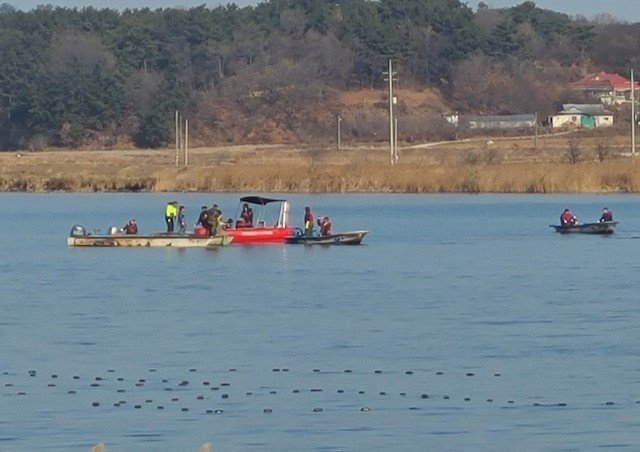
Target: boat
[(80, 237), (264, 227), (603, 227), (341, 238)]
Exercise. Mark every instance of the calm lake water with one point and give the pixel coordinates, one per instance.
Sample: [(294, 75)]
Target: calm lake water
[(462, 323)]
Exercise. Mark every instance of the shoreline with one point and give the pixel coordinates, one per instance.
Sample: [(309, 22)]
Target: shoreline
[(507, 166)]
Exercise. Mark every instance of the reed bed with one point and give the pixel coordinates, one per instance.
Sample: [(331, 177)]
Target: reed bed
[(468, 167)]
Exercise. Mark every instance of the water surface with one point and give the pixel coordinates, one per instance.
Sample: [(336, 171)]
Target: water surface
[(346, 348)]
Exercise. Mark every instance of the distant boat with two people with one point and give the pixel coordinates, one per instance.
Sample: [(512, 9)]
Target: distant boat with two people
[(569, 224), (324, 236)]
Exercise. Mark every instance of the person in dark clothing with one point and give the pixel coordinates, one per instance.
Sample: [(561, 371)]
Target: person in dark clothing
[(182, 220), (203, 219), (607, 215)]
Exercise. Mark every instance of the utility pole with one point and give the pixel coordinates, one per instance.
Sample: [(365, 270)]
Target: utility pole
[(535, 135), (338, 139), (186, 142), (395, 141), (177, 134), (633, 116), (392, 151)]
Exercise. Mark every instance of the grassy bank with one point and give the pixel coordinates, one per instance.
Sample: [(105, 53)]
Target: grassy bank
[(557, 165)]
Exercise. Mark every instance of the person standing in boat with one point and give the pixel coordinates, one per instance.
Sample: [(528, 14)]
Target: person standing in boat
[(170, 214), (568, 218), (182, 220), (203, 219), (308, 222), (607, 215), (325, 226), (215, 219)]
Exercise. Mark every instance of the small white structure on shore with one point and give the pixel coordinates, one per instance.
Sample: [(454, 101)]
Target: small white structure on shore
[(581, 116)]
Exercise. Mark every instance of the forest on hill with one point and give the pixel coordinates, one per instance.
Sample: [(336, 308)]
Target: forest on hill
[(278, 71)]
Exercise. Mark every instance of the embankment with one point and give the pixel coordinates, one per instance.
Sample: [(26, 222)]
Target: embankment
[(289, 169)]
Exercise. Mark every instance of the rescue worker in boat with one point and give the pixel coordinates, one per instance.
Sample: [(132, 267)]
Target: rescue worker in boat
[(308, 222), (215, 219), (246, 217), (170, 214), (182, 221), (568, 218), (131, 228), (607, 215), (203, 219), (325, 226)]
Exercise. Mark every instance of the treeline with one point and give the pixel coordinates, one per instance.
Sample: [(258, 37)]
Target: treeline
[(103, 78)]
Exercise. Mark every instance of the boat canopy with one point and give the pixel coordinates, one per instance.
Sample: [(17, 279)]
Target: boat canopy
[(259, 200)]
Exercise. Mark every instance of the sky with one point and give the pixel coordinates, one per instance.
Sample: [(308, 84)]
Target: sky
[(628, 10)]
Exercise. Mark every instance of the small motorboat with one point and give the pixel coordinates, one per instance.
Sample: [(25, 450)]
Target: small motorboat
[(342, 238), (80, 237), (602, 227), (264, 227)]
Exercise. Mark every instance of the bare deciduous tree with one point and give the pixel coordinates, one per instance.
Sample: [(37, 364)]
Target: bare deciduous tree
[(573, 152)]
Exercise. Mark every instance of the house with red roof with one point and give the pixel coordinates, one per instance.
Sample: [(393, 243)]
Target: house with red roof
[(609, 89)]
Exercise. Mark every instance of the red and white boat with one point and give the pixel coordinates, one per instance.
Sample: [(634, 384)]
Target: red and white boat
[(265, 227)]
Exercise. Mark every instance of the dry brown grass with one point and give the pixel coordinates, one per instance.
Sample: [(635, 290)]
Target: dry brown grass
[(482, 165)]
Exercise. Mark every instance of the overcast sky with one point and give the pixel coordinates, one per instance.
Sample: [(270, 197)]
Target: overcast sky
[(628, 10)]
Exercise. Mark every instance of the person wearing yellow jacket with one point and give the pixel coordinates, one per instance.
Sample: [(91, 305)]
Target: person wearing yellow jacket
[(170, 214)]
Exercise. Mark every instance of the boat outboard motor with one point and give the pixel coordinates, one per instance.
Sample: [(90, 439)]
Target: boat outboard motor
[(77, 231)]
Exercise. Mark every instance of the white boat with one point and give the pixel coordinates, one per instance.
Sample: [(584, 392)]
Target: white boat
[(79, 237)]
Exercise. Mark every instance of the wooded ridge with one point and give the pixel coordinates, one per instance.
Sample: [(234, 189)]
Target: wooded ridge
[(281, 72)]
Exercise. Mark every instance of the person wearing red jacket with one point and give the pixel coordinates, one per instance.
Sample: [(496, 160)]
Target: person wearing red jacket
[(607, 215), (568, 218), (325, 225)]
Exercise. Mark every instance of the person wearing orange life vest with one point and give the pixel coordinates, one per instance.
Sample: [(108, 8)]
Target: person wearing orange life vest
[(325, 226), (568, 218), (308, 222)]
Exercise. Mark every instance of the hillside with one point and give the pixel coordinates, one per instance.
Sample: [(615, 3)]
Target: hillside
[(282, 71)]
